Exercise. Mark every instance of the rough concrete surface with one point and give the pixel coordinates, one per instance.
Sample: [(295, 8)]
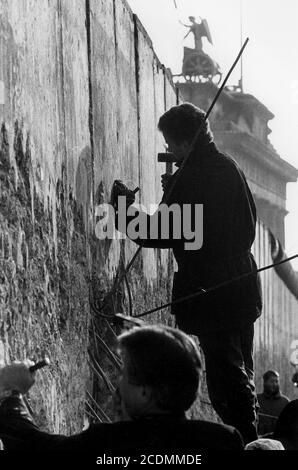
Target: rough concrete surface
[(81, 91), (78, 109)]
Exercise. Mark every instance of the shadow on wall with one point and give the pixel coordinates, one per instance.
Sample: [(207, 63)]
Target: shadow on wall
[(87, 202), (9, 67), (83, 186)]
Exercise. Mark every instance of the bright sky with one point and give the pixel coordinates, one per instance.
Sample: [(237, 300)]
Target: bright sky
[(270, 62)]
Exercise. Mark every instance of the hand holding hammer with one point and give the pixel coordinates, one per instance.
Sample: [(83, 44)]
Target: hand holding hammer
[(168, 158), (19, 376)]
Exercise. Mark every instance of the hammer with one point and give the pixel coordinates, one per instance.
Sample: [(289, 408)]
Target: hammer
[(168, 158), (40, 364)]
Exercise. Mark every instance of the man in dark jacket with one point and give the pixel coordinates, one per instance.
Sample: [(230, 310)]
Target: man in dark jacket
[(271, 402), (160, 381), (223, 319)]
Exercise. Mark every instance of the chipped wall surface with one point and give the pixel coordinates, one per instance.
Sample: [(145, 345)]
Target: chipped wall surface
[(81, 91), (43, 235), (128, 90)]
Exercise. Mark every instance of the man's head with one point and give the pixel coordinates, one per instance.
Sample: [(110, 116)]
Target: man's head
[(179, 126), (161, 371), (192, 19), (271, 382)]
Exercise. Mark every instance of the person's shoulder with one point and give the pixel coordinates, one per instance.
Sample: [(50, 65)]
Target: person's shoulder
[(229, 162), (218, 435), (225, 164), (110, 435), (186, 434), (285, 399), (212, 426)]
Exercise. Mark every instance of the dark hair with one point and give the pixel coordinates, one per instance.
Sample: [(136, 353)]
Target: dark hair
[(287, 422), (269, 374), (182, 122), (165, 359)]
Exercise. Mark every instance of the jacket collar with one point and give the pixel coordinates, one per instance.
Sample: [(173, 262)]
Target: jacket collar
[(272, 397), (198, 153)]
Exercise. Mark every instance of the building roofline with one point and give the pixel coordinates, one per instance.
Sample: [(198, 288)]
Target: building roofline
[(265, 155), (252, 100)]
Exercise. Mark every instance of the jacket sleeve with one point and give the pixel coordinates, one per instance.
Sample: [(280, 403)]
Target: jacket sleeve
[(19, 432), (150, 231), (171, 224)]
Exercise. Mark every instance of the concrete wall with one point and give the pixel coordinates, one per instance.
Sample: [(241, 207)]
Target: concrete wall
[(44, 246), (81, 91)]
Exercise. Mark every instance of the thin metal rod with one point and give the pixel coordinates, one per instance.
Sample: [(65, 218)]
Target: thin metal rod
[(226, 79), (211, 289)]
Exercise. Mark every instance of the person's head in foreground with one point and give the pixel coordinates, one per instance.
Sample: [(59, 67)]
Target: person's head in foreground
[(286, 428), (264, 444), (161, 371), (179, 126)]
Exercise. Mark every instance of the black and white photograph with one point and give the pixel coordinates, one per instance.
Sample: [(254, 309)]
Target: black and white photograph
[(148, 232)]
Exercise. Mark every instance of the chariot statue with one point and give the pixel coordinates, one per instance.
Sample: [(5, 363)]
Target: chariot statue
[(197, 65)]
